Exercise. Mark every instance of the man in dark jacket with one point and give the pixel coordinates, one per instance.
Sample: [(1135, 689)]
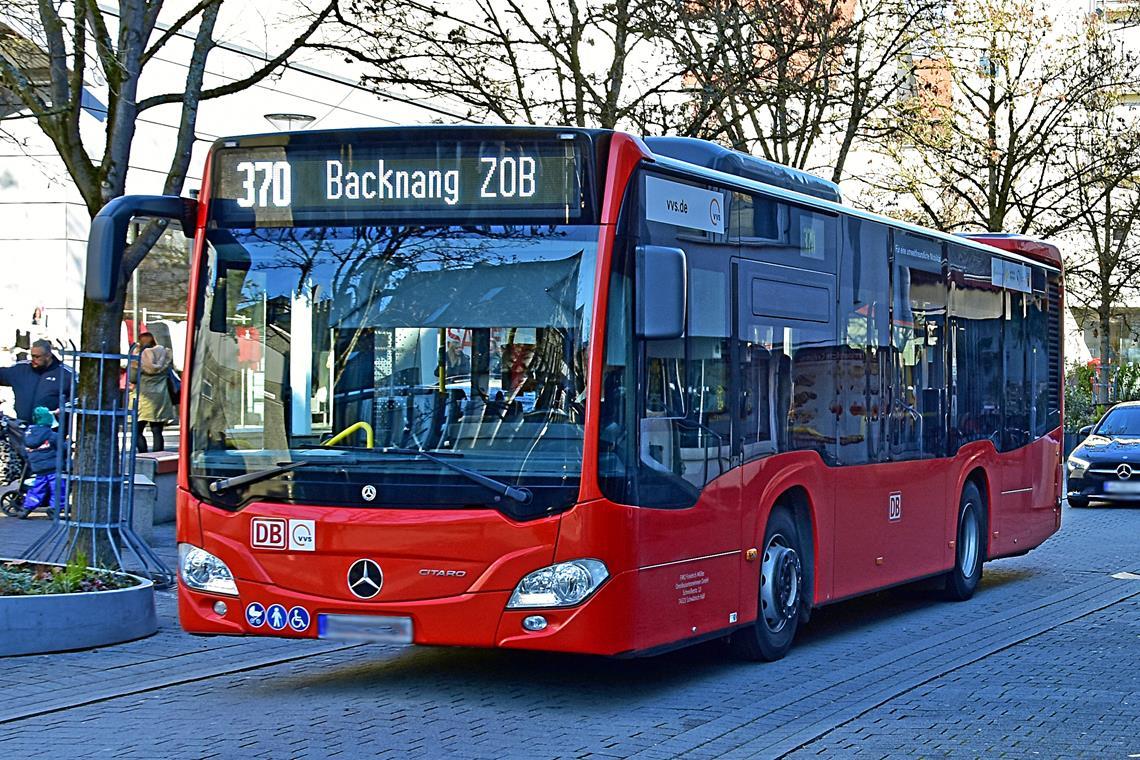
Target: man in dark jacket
[(43, 381)]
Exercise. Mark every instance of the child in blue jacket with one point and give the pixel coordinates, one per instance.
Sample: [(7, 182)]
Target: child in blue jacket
[(42, 442)]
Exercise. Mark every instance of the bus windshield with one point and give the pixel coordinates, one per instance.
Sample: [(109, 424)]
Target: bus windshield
[(353, 348)]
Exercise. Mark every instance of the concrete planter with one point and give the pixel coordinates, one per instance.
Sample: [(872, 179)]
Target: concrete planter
[(59, 622)]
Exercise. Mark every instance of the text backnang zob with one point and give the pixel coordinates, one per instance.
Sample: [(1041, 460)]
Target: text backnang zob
[(504, 177)]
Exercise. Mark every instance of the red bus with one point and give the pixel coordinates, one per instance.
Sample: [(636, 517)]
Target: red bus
[(572, 390)]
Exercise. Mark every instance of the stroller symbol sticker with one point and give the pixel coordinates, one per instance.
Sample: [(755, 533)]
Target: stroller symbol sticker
[(255, 614)]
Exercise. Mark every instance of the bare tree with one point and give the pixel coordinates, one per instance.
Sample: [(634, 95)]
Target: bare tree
[(986, 138), (80, 40), (800, 82), (574, 62), (1103, 271)]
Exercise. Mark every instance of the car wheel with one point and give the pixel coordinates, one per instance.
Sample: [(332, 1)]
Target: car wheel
[(781, 593), (970, 546)]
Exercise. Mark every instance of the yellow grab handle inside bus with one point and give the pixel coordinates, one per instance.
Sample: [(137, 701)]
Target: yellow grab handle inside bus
[(368, 439)]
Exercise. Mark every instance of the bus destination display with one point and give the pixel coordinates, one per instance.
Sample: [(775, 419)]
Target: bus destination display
[(536, 179)]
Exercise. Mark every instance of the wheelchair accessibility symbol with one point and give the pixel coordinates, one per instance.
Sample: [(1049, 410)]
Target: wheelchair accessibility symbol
[(298, 618)]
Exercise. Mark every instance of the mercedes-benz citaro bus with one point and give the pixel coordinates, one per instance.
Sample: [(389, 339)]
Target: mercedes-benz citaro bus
[(573, 390)]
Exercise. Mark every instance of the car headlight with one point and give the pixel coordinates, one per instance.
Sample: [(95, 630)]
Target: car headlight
[(1077, 466), (202, 571), (561, 585)]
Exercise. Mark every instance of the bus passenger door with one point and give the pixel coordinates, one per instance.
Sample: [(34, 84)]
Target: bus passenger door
[(915, 511), (890, 484), (687, 489)]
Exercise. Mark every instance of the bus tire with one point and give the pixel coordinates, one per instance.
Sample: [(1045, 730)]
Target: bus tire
[(969, 547), (781, 593)]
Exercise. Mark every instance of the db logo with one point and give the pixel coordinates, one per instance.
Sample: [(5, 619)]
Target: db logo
[(267, 533), (894, 508), (276, 533)]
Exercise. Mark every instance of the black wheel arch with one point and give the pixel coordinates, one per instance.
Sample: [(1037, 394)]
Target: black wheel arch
[(981, 481), (797, 501)]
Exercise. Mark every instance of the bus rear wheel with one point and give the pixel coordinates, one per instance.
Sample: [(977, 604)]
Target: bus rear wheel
[(781, 595), (970, 546)]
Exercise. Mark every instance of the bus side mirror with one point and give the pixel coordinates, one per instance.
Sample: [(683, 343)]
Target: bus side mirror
[(661, 289), (1085, 432), (108, 235)]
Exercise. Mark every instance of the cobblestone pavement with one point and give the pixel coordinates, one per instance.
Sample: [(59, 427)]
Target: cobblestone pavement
[(1041, 663)]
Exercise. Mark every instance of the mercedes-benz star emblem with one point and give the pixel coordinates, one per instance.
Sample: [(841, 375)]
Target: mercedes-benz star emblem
[(365, 578), (368, 493), (1124, 471)]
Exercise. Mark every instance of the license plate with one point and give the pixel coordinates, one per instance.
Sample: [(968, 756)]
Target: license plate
[(376, 628), (1116, 487)]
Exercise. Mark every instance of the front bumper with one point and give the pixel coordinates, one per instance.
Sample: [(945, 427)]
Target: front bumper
[(471, 619), (1104, 487)]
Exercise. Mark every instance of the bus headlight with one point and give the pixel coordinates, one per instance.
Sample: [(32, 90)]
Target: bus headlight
[(202, 571), (1077, 467), (561, 585)]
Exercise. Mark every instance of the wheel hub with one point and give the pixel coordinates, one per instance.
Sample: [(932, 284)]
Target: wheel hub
[(970, 540), (779, 584)]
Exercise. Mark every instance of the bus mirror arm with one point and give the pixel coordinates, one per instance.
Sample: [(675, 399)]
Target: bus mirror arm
[(108, 236)]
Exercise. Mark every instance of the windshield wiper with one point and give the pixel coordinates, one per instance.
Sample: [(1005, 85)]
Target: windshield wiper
[(521, 495), (388, 449), (226, 484)]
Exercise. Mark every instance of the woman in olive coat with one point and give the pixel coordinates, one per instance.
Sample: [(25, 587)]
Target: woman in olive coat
[(150, 384)]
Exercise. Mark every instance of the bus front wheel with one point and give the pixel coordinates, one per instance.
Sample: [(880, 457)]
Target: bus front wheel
[(970, 546), (781, 593)]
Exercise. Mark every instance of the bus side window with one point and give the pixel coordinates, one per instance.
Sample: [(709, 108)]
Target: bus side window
[(1038, 330), (1056, 380), (757, 373), (861, 397), (681, 386), (1017, 389), (917, 330), (786, 323), (975, 348)]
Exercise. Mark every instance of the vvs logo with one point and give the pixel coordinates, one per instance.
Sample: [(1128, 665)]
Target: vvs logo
[(894, 509), (714, 212)]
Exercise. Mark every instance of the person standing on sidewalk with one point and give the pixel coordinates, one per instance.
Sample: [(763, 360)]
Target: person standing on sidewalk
[(156, 408), (43, 381)]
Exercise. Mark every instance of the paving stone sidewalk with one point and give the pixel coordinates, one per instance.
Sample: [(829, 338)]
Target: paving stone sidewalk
[(35, 683), (895, 674)]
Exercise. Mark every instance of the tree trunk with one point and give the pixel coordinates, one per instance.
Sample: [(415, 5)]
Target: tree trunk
[(1102, 372), (96, 499)]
